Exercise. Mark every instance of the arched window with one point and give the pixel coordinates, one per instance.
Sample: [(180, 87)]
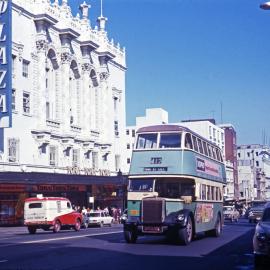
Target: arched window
[(52, 99), (74, 94), (95, 98)]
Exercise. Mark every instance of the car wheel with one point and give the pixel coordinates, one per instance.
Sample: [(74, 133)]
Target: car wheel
[(185, 234), (56, 226), (77, 225), (32, 229), (130, 236)]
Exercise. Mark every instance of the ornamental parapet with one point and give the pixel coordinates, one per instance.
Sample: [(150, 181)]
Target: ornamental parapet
[(59, 16)]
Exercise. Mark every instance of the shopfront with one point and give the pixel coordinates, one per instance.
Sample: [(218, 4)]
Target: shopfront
[(81, 190)]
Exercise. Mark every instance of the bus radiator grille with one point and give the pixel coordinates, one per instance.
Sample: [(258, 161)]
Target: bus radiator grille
[(153, 210)]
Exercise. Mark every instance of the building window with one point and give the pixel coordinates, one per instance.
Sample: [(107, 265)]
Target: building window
[(257, 163), (25, 67), (13, 150), (75, 158), (116, 130), (248, 154), (13, 65), (95, 160), (128, 160), (239, 155), (47, 110), (26, 102), (115, 100), (13, 102), (53, 155), (127, 132), (117, 162), (257, 154), (128, 146), (214, 133), (133, 133)]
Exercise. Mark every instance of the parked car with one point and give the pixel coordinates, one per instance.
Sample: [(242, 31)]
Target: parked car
[(255, 213), (50, 213), (124, 216), (261, 239), (99, 218), (230, 213)]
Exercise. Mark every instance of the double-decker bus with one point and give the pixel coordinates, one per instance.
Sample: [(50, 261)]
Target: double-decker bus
[(176, 183)]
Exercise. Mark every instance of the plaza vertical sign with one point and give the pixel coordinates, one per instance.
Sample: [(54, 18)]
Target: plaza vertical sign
[(5, 64)]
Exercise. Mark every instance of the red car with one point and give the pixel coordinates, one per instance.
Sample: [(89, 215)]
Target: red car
[(50, 213)]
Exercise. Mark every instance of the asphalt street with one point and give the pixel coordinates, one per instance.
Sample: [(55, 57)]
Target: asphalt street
[(105, 248)]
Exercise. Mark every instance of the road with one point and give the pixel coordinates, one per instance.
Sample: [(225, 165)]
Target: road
[(105, 248)]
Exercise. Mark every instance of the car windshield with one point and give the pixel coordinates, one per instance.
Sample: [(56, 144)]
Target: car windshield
[(94, 215), (228, 208), (266, 215), (141, 185)]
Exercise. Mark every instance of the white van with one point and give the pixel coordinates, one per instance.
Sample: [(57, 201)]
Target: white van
[(50, 212)]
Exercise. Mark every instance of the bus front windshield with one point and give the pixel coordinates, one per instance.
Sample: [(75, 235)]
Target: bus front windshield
[(141, 185), (146, 141)]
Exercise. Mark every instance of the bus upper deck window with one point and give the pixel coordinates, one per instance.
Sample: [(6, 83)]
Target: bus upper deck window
[(170, 140), (188, 141), (147, 141)]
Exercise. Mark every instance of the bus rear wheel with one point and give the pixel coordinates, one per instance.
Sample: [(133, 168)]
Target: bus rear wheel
[(216, 232), (130, 236), (185, 235)]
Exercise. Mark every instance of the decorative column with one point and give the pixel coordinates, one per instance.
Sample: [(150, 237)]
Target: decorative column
[(66, 36), (87, 65), (104, 103), (42, 22)]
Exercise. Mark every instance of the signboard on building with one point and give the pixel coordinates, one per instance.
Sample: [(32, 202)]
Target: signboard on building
[(5, 64)]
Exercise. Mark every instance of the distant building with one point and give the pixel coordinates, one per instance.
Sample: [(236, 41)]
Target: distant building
[(153, 116), (208, 129), (231, 155), (254, 171)]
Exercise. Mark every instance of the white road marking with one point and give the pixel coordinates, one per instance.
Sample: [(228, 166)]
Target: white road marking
[(3, 261), (68, 237)]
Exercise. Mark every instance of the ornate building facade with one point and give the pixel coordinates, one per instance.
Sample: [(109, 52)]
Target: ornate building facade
[(68, 95), (68, 102)]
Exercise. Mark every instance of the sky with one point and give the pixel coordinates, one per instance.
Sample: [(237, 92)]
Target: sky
[(195, 59)]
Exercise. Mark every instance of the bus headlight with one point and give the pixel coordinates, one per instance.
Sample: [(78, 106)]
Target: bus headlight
[(180, 217)]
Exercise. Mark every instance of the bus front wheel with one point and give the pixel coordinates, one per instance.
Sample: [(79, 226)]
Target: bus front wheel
[(185, 234), (130, 236)]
